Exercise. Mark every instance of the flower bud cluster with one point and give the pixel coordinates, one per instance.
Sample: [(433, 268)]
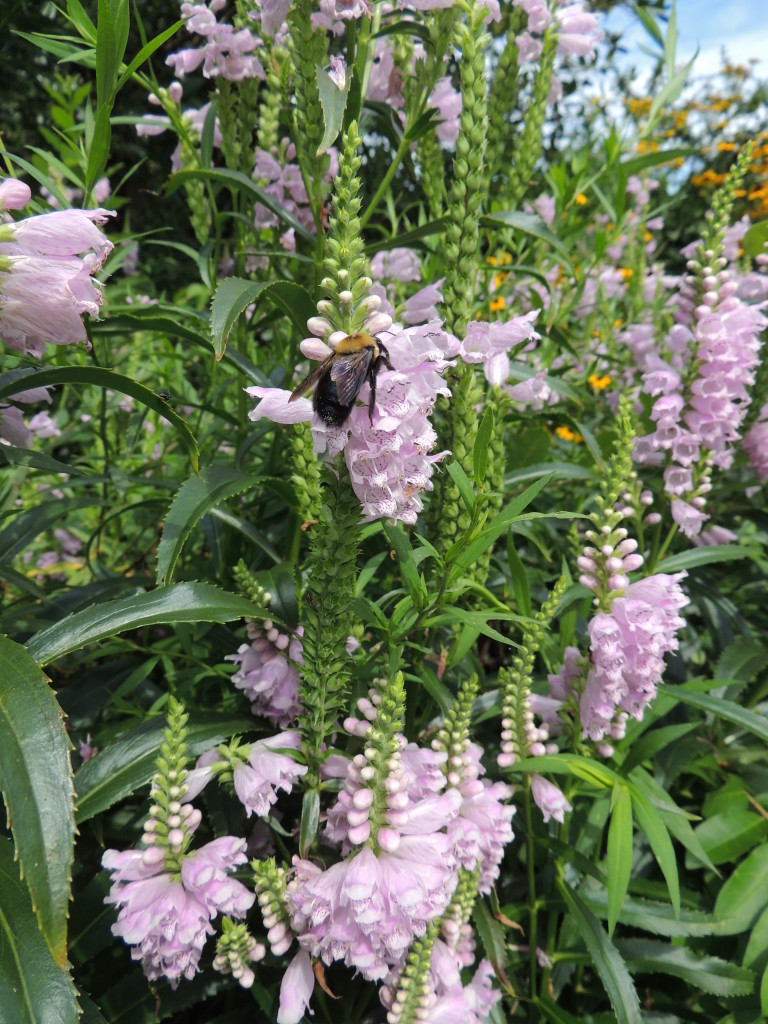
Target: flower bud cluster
[(236, 950), (608, 558), (269, 881)]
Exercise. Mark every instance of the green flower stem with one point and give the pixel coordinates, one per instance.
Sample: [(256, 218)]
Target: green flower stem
[(327, 617), (466, 195), (381, 191), (308, 51), (503, 95), (533, 910), (528, 147)]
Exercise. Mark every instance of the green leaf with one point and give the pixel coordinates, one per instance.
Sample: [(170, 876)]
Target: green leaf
[(492, 936), (553, 1012), (649, 24), (195, 497), (400, 541), (333, 101), (764, 993), (129, 763), (239, 182), (279, 581), (674, 818), (652, 824), (463, 483), (705, 973), (146, 52), (731, 833), (310, 821), (180, 602), (235, 294), (231, 298), (746, 719), (655, 917), (744, 895), (481, 446), (16, 381), (756, 953), (755, 239), (33, 989), (530, 224), (605, 957), (11, 456), (36, 781), (705, 556), (619, 852)]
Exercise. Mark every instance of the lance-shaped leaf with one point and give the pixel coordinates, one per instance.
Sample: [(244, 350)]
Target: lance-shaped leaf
[(235, 294), (36, 780), (195, 497), (33, 989), (181, 602)]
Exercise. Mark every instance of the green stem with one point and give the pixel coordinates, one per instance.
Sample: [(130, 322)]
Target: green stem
[(386, 180), (532, 906)]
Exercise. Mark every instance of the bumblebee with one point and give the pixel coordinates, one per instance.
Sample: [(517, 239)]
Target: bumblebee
[(338, 379)]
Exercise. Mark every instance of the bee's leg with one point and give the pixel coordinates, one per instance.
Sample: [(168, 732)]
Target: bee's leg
[(384, 357)]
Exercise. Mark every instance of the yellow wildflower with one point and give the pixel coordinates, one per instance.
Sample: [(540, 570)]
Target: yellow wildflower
[(581, 199), (566, 434), (599, 383), (497, 304), (626, 273)]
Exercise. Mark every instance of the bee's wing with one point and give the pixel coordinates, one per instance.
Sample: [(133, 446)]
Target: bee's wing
[(312, 379), (349, 374)]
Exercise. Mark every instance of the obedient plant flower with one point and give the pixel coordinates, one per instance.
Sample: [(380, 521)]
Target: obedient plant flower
[(491, 343), (550, 800), (47, 263), (268, 672), (226, 51), (401, 872), (628, 644), (389, 460), (167, 894)]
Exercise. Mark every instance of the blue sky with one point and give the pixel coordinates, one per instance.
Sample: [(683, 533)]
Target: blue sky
[(739, 25)]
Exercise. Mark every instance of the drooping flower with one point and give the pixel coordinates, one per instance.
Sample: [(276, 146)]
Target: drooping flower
[(491, 343), (755, 444), (550, 800), (628, 645), (166, 917), (578, 31), (268, 672), (257, 782), (296, 989), (47, 263)]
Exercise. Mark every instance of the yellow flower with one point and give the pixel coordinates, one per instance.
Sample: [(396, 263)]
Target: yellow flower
[(581, 199), (505, 259), (566, 434), (726, 147), (617, 323), (599, 383), (493, 261), (497, 304), (647, 146), (626, 272)]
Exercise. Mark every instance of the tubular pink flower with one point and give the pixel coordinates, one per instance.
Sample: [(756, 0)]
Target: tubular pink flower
[(628, 645), (296, 989), (14, 195), (268, 674), (167, 920), (550, 800), (46, 280), (268, 770)]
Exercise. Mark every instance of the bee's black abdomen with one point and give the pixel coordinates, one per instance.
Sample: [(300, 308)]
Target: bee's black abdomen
[(327, 404)]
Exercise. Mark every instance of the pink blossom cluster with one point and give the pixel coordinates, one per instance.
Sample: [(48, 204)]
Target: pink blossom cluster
[(490, 344), (628, 644), (577, 30), (389, 459), (47, 263), (280, 176), (268, 672), (700, 419), (226, 52), (165, 916)]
